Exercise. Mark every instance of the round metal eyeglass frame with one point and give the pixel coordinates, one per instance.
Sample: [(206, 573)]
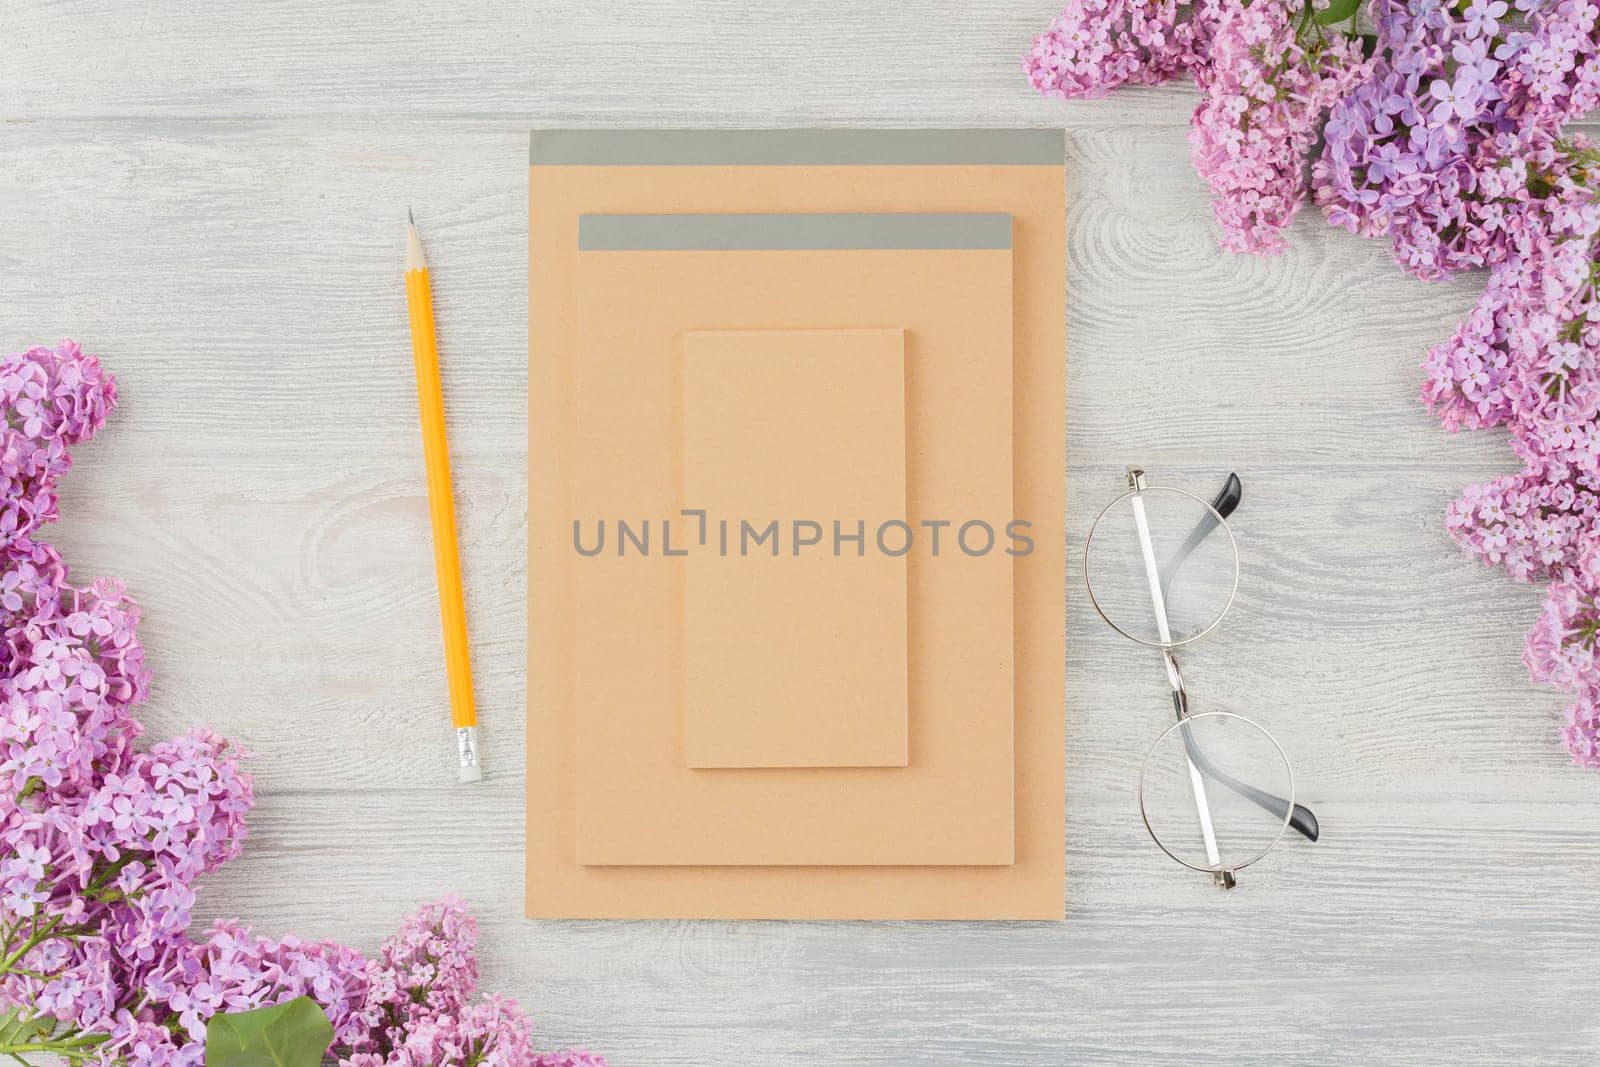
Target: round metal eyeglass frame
[(1210, 521), (1214, 517), (1198, 763)]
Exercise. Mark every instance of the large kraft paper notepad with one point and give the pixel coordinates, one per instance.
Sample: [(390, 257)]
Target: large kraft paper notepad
[(645, 287), (619, 822)]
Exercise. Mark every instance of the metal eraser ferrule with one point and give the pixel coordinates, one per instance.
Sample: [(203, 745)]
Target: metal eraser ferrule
[(467, 767)]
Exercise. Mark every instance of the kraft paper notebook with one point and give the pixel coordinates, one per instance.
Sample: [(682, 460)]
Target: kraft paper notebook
[(639, 801), (627, 818)]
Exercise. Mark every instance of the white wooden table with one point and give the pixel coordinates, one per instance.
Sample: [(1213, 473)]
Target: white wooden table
[(211, 198)]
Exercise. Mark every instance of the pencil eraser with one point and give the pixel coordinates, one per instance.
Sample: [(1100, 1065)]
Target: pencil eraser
[(473, 773)]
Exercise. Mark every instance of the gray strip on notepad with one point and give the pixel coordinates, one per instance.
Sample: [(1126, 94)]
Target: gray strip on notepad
[(735, 233), (612, 148)]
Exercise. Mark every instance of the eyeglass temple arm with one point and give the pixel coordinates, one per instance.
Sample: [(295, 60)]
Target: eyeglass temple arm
[(1302, 818), (1225, 503)]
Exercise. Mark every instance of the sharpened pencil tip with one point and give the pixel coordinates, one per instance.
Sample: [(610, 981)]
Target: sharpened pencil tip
[(415, 260)]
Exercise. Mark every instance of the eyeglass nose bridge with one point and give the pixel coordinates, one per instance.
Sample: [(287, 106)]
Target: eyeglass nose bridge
[(1180, 695)]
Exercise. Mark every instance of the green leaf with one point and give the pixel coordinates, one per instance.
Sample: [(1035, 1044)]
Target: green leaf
[(293, 1034), (19, 1028), (1338, 11)]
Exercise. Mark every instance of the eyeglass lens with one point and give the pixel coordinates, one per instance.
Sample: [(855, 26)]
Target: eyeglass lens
[(1222, 757), (1195, 562)]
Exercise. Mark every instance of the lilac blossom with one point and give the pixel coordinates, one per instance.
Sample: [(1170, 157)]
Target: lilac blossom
[(1482, 18), (1264, 96), (1582, 730), (103, 843), (1445, 138), (1097, 45), (1473, 113)]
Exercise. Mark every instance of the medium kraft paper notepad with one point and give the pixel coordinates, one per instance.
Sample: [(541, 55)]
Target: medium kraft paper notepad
[(598, 172), (645, 284), (795, 655)]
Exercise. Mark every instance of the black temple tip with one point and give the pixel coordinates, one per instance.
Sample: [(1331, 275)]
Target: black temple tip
[(1227, 501), (1304, 822)]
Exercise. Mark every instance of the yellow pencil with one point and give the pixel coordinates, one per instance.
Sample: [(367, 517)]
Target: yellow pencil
[(441, 506)]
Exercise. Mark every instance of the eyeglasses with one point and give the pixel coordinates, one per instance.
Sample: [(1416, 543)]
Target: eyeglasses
[(1216, 791)]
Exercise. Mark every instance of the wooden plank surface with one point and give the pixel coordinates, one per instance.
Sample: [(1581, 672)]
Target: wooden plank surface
[(210, 198)]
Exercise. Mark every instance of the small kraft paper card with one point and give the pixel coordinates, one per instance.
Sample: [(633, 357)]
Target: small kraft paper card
[(794, 655)]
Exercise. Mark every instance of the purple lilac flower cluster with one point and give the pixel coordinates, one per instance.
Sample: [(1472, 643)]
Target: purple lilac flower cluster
[(422, 1007), (1562, 650), (1448, 147), (1443, 133), (1095, 46), (1264, 93), (102, 843), (1266, 84)]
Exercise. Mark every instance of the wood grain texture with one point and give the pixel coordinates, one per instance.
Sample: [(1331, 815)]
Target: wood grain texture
[(211, 198)]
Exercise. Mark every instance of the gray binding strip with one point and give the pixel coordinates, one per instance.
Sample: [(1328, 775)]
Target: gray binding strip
[(735, 233), (613, 148)]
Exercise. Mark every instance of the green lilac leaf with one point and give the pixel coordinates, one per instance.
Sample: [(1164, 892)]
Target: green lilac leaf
[(19, 1027), (1338, 11), (295, 1033)]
